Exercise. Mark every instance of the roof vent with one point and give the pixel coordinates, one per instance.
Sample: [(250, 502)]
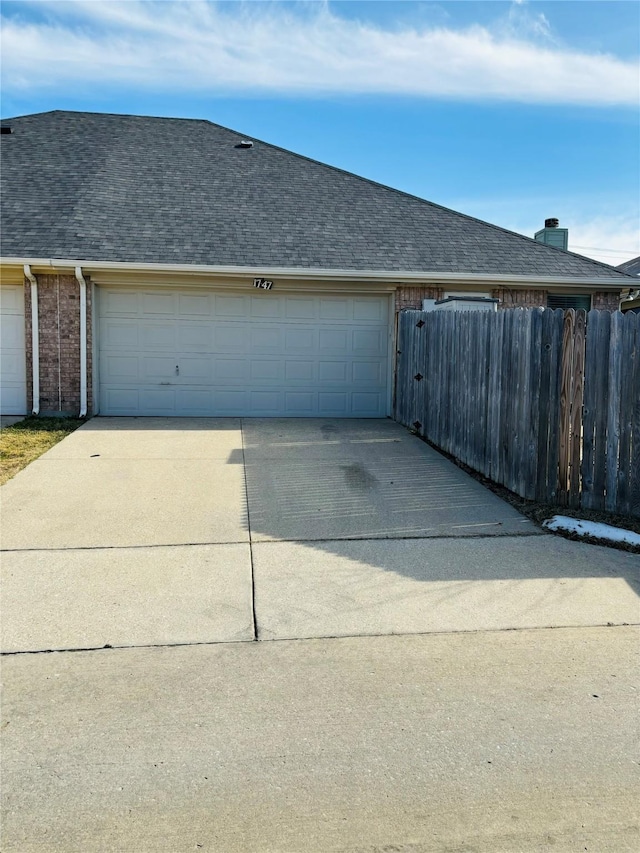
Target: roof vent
[(245, 143), (551, 223), (5, 128)]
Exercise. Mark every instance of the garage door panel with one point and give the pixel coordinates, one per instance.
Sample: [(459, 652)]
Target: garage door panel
[(115, 302), (158, 303), (370, 310), (267, 340), (332, 403), (335, 309), (366, 371), (124, 367), (120, 401), (194, 306), (192, 337), (261, 354), (301, 340), (333, 371), (300, 371), (120, 335), (265, 403), (300, 308), (265, 307), (196, 370), (158, 367), (156, 336), (231, 306), (230, 402), (300, 404), (194, 401), (335, 341), (365, 404), (269, 370), (232, 369), (228, 338), (369, 342)]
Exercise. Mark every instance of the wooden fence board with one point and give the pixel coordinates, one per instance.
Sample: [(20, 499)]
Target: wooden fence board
[(533, 411), (577, 390), (564, 452), (624, 473), (493, 404), (589, 407), (554, 406), (600, 374), (634, 463), (613, 413), (546, 343)]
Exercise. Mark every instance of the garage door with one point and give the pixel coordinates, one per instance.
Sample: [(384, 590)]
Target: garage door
[(255, 354), (13, 388)]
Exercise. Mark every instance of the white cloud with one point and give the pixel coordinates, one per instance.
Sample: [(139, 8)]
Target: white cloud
[(611, 239), (266, 48)]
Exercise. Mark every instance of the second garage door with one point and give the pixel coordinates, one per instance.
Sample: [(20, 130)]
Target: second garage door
[(13, 389), (255, 354)]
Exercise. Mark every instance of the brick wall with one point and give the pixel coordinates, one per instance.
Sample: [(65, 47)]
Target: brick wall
[(606, 301), (411, 297), (59, 329), (510, 298)]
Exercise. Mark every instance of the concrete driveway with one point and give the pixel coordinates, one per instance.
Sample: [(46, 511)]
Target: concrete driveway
[(164, 531), (177, 544)]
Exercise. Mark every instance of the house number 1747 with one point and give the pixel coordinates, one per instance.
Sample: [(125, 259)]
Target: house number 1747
[(263, 283)]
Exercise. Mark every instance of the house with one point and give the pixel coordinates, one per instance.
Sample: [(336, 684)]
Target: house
[(156, 266), (630, 296)]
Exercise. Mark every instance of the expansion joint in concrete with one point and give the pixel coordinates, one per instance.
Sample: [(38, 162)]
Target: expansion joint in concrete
[(254, 618)]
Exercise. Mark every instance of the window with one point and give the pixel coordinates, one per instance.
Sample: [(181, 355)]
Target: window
[(569, 300)]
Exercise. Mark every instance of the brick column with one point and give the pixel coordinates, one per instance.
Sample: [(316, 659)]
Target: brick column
[(605, 300), (59, 329)]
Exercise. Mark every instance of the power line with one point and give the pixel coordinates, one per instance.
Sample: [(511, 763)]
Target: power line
[(608, 251)]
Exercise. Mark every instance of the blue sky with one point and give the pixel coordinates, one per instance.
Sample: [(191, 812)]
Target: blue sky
[(509, 111)]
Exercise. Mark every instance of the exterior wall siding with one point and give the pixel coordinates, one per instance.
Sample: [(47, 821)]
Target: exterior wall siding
[(59, 330)]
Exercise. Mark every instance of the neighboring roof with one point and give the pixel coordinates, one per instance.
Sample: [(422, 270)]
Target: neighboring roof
[(132, 189), (631, 267)]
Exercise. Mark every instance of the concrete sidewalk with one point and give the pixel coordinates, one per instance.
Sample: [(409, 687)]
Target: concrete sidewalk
[(493, 743)]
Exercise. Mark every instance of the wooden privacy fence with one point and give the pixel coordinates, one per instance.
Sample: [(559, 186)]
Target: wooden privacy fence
[(547, 403)]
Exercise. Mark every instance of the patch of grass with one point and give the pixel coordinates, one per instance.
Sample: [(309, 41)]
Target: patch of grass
[(23, 442)]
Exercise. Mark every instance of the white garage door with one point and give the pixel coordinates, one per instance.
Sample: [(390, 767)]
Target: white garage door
[(255, 354), (13, 378)]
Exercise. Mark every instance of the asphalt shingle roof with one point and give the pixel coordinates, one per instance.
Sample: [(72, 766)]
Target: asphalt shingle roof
[(631, 267), (96, 187)]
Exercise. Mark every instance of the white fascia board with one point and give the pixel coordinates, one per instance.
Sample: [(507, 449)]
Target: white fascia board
[(313, 274)]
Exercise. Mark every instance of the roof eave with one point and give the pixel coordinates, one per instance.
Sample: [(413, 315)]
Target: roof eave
[(413, 277)]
